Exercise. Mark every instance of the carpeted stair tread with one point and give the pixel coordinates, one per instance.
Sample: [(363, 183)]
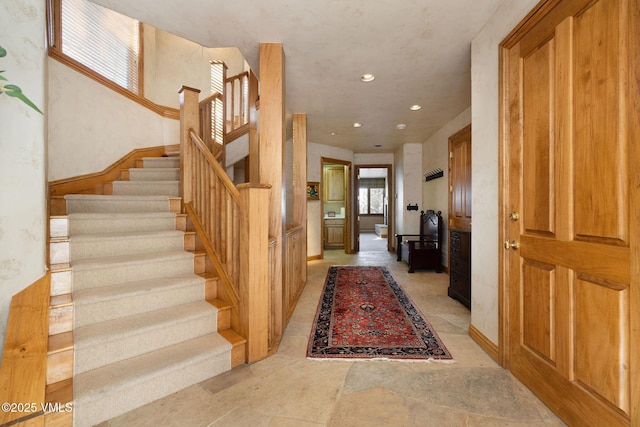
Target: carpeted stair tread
[(135, 369), (124, 197), (132, 289), (104, 393), (109, 302), (104, 262), (119, 215), (102, 237), (161, 162), (81, 223), (83, 246), (168, 188), (117, 203), (154, 174), (97, 272), (141, 323), (109, 342)]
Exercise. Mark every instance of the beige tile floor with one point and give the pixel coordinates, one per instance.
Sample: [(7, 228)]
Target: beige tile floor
[(289, 390)]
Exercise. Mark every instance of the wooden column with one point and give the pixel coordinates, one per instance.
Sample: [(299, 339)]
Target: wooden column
[(300, 182), (253, 169), (254, 269), (189, 119), (272, 158)]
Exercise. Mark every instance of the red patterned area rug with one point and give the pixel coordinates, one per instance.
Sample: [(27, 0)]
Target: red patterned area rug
[(364, 314)]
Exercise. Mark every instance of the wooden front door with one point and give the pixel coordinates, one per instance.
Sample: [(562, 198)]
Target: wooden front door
[(571, 208)]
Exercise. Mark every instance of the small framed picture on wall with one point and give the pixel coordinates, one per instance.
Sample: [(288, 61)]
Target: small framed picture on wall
[(313, 191)]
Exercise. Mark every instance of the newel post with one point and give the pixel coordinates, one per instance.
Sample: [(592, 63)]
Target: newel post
[(254, 289), (189, 119)]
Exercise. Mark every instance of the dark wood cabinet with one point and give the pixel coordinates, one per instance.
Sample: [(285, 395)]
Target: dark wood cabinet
[(460, 266)]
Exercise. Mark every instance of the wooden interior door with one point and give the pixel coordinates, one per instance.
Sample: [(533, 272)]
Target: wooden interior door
[(570, 109), (460, 180)]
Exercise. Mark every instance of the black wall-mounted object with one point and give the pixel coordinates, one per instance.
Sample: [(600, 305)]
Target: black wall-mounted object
[(412, 207), (436, 173)]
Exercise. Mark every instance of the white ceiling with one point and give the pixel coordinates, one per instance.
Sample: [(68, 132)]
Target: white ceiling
[(418, 50)]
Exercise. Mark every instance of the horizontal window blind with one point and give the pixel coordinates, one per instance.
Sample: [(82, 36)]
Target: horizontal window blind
[(372, 183), (102, 40)]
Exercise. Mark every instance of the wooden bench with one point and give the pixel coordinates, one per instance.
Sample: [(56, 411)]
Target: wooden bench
[(423, 250)]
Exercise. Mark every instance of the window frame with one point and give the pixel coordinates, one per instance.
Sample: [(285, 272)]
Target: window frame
[(368, 188), (54, 39)]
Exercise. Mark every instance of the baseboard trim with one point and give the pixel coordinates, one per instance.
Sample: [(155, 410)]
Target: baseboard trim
[(94, 183), (314, 257), (487, 345)]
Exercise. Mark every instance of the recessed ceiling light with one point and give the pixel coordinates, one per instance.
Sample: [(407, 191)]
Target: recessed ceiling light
[(357, 125), (401, 126), (415, 107), (367, 78), (333, 133)]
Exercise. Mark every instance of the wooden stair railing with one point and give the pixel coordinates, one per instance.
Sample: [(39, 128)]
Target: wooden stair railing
[(233, 224), (237, 104), (224, 115), (211, 128)]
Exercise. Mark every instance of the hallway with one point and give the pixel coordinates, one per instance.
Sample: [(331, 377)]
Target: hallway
[(286, 389)]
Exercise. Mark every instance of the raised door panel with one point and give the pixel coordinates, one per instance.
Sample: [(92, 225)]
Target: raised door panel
[(334, 234), (538, 79), (334, 184), (600, 153)]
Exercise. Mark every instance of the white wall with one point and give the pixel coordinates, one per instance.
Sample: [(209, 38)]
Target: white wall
[(398, 196), (435, 155), (408, 187), (91, 126), (373, 159), (23, 151), (171, 62), (315, 152), (484, 175)]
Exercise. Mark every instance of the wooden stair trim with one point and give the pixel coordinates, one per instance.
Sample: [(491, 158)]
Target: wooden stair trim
[(238, 347), (236, 133), (210, 286), (24, 358), (224, 313), (222, 276), (94, 183), (60, 357), (60, 393)]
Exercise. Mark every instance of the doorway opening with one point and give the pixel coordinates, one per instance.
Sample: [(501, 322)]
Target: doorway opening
[(373, 225), (335, 205)]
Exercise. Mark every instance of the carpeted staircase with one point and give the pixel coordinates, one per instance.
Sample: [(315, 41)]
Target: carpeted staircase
[(141, 328)]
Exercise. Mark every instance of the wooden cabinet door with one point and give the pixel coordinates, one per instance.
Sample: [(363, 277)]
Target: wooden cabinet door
[(334, 187), (334, 234), (570, 103), (460, 180)]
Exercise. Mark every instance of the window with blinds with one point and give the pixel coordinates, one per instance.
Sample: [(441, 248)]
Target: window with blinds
[(102, 40), (371, 192)]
